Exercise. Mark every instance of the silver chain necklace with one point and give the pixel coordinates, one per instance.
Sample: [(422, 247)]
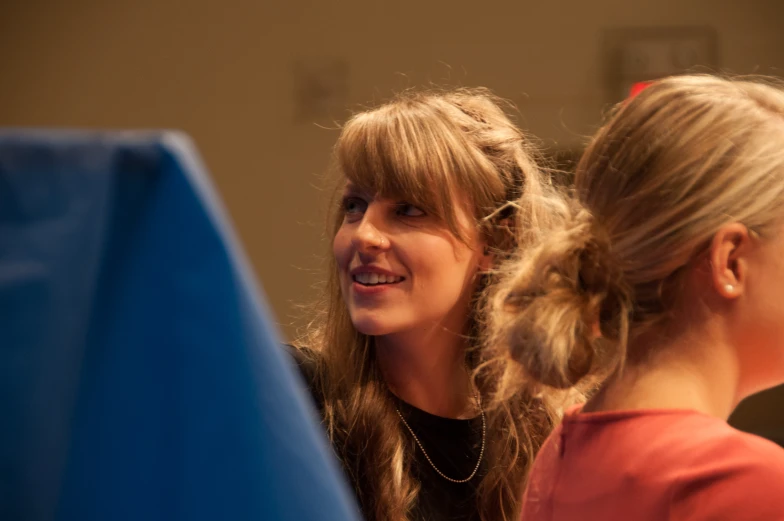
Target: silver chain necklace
[(427, 457)]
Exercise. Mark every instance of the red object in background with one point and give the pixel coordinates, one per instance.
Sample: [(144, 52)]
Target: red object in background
[(638, 88)]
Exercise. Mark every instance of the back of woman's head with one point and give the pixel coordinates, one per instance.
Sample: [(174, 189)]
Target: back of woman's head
[(686, 156)]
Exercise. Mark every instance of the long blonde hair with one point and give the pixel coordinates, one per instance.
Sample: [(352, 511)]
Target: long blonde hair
[(670, 167), (427, 148)]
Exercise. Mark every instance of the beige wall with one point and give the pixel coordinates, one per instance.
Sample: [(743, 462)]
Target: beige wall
[(222, 71)]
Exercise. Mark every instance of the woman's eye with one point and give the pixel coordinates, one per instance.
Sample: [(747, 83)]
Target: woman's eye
[(409, 210), (354, 205)]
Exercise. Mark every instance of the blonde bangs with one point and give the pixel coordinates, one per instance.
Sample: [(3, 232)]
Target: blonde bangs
[(405, 153)]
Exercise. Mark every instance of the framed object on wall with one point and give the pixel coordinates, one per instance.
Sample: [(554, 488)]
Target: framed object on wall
[(633, 55)]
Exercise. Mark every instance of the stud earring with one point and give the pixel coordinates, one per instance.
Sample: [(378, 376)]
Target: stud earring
[(729, 288)]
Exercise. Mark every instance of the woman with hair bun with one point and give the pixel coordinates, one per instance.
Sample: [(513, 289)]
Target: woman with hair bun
[(663, 283)]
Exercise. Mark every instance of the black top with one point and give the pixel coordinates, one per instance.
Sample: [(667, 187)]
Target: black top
[(453, 446)]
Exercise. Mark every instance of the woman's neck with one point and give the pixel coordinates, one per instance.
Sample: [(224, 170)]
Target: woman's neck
[(428, 371), (697, 372)]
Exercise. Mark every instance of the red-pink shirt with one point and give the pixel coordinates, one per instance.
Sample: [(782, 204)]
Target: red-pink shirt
[(654, 465)]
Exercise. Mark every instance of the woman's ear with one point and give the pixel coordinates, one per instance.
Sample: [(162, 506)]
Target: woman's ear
[(728, 260), (487, 258), (498, 237)]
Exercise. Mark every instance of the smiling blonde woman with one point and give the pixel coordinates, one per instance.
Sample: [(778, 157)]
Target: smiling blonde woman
[(423, 219)]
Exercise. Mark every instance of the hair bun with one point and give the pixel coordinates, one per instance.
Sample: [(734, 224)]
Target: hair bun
[(563, 303)]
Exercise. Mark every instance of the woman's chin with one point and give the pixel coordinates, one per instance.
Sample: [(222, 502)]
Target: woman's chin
[(371, 326)]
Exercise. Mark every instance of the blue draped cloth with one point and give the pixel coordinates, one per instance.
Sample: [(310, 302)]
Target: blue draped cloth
[(141, 376)]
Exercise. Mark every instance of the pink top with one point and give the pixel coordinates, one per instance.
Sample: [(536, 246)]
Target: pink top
[(654, 465)]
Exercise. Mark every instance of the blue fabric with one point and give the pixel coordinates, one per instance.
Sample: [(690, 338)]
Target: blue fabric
[(141, 377)]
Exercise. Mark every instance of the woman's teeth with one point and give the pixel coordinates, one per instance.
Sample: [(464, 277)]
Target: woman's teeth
[(370, 279)]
